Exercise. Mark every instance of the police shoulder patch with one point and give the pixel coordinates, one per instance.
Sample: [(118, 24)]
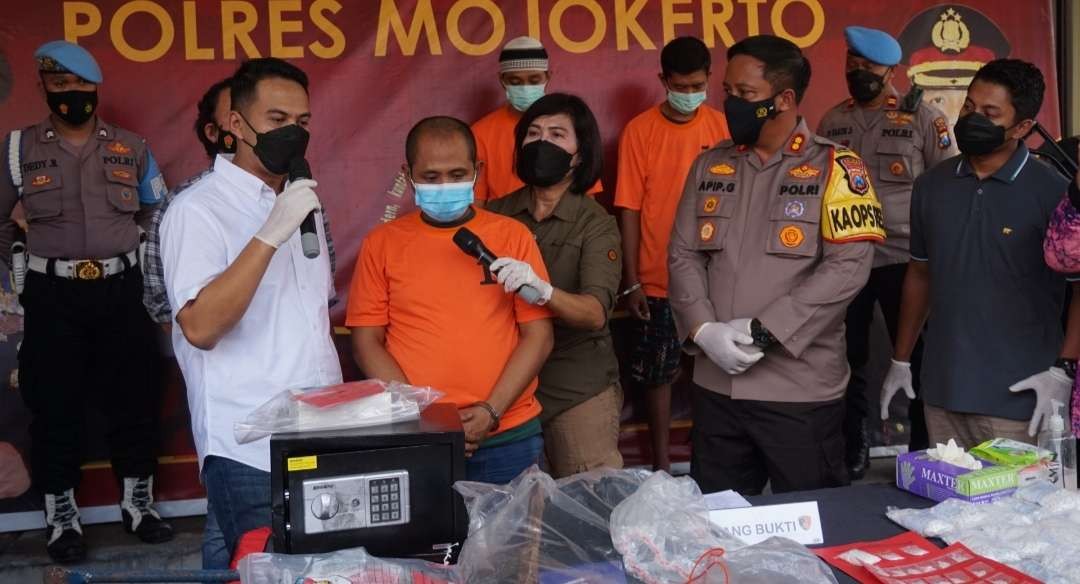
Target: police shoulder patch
[(850, 210)]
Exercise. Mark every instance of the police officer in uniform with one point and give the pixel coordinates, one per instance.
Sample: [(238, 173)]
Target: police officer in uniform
[(898, 138), (773, 238), (84, 184)]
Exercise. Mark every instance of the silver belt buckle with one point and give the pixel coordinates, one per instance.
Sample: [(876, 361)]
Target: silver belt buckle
[(89, 270)]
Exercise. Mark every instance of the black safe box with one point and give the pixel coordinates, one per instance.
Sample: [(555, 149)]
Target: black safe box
[(386, 488)]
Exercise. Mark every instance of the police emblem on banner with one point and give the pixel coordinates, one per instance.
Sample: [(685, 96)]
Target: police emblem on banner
[(855, 172)]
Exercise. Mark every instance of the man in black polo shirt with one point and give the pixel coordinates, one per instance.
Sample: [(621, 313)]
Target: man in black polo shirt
[(977, 227)]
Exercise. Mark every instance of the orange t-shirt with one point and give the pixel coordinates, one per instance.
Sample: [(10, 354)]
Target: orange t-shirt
[(655, 154), (495, 146), (445, 327)]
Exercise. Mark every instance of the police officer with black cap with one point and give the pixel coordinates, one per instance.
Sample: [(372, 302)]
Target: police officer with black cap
[(86, 186), (898, 138)]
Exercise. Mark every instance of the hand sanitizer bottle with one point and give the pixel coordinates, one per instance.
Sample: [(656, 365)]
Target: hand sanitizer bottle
[(1062, 446)]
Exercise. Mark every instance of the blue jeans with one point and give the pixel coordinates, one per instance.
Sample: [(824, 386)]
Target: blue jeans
[(215, 556), (239, 498), (502, 464)]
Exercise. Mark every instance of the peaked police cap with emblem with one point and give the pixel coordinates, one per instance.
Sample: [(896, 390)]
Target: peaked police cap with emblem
[(65, 57), (946, 44)]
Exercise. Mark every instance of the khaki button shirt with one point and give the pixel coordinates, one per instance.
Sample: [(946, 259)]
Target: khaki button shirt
[(897, 147), (580, 244), (81, 202), (788, 241)]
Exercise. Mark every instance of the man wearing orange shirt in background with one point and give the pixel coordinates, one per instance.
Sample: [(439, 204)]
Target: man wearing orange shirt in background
[(656, 151), (524, 73), (425, 313)]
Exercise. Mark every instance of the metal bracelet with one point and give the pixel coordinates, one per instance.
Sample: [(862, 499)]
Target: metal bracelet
[(490, 410)]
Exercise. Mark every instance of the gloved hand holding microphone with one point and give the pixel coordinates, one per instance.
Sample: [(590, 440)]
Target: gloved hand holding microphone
[(515, 274), (290, 209)]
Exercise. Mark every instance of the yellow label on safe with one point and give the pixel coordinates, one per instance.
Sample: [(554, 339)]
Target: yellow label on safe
[(303, 463)]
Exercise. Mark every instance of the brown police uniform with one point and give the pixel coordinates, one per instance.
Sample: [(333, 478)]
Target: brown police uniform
[(899, 141), (787, 241), (87, 334)]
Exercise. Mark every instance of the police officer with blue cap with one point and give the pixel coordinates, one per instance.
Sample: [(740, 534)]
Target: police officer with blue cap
[(898, 137), (86, 187)]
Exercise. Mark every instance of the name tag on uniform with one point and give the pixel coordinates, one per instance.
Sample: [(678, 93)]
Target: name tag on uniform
[(800, 522)]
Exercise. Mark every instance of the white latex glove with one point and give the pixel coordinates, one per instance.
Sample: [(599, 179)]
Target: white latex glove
[(1049, 385), (898, 377), (513, 274), (719, 341), (290, 208)]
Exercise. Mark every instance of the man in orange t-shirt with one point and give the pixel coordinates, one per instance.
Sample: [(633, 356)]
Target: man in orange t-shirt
[(425, 313), (524, 73), (656, 151)]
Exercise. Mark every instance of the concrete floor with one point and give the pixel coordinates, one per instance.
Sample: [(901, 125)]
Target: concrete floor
[(23, 557)]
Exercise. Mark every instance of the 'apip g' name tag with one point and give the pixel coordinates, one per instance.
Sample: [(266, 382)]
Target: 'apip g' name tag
[(796, 521)]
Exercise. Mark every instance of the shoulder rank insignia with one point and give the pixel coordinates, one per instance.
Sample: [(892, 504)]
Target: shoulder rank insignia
[(118, 148), (722, 169), (850, 210), (41, 180), (804, 172)]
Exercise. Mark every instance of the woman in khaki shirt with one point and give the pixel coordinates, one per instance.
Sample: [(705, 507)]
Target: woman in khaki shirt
[(558, 155)]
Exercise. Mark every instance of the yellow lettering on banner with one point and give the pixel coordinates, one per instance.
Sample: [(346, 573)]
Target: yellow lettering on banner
[(671, 18), (234, 31), (423, 21), (753, 23), (321, 22), (192, 50), (626, 22), (453, 28), (599, 26), (279, 26), (73, 29), (533, 8), (816, 28), (714, 23), (116, 31)]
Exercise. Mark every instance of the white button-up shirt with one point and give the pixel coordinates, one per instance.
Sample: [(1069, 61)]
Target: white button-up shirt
[(283, 340)]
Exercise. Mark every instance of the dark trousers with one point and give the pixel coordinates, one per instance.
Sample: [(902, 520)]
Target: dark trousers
[(238, 497), (88, 342), (741, 444), (883, 287), (503, 463)]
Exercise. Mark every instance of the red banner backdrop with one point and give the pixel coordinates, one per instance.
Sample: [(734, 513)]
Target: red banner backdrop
[(378, 66)]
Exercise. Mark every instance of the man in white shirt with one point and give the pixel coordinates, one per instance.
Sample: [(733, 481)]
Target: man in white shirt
[(251, 309)]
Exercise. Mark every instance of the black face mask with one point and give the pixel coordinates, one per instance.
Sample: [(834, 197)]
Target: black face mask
[(864, 85), (74, 107), (542, 164), (226, 141), (977, 135), (746, 118), (278, 147)]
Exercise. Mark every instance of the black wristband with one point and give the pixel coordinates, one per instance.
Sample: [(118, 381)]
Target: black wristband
[(1067, 365), (761, 335)]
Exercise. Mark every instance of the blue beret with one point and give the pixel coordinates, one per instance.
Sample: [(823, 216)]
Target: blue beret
[(876, 45), (65, 57)]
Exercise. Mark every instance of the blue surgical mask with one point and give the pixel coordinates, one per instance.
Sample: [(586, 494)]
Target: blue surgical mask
[(686, 103), (444, 202), (523, 96)]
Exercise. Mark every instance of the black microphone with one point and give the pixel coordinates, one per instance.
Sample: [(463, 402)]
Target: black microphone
[(471, 244), (309, 236)]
